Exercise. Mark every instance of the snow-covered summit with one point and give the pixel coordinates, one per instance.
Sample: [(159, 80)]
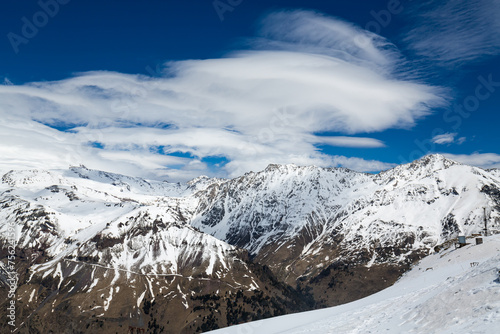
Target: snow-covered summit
[(425, 166)]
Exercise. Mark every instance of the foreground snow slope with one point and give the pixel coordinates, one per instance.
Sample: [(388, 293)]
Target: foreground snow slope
[(454, 291)]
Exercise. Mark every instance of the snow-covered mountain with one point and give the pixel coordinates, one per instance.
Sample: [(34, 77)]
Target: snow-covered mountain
[(104, 246), (302, 220), (111, 246), (80, 212)]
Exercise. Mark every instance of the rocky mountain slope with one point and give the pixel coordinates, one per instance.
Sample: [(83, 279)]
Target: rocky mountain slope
[(106, 251), (326, 227)]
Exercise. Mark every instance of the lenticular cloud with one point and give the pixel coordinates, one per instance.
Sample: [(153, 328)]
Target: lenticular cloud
[(306, 73)]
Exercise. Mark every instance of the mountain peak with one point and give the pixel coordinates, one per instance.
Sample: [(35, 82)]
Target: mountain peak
[(431, 162), (436, 157), (289, 167), (273, 167), (198, 179), (426, 165)]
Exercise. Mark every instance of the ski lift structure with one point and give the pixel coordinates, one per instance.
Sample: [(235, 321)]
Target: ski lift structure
[(485, 229), (462, 241)]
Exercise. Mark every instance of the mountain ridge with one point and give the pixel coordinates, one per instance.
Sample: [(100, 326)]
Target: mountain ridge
[(291, 235)]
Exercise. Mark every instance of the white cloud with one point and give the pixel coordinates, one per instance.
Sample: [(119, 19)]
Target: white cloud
[(252, 107), (446, 138), (455, 32), (313, 32), (359, 164), (350, 141), (483, 160)]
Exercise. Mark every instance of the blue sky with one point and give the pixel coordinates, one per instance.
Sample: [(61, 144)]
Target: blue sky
[(174, 89)]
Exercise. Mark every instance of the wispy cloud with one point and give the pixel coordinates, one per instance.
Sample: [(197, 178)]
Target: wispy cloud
[(314, 32), (446, 138), (253, 107), (359, 164), (455, 32), (483, 160), (343, 141)]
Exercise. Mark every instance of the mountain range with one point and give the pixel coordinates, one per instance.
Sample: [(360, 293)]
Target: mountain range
[(102, 252)]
